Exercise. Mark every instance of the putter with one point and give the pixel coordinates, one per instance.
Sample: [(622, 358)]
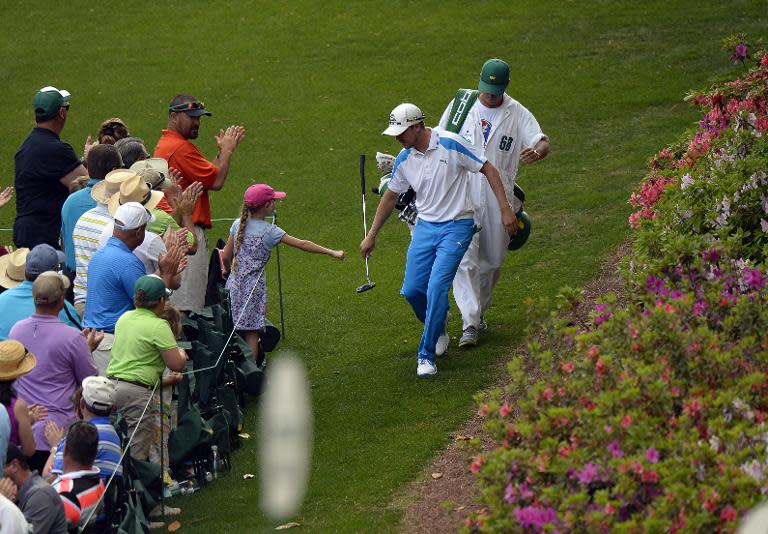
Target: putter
[(368, 285)]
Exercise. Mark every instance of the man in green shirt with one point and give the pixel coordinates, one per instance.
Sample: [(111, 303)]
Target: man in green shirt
[(144, 346)]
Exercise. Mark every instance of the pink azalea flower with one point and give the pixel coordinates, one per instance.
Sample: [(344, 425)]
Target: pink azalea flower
[(739, 53), (626, 422), (504, 410), (510, 494), (615, 449), (588, 474), (652, 455), (536, 517), (477, 463), (728, 514), (754, 278)]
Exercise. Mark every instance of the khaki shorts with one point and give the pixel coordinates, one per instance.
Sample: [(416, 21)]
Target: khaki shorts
[(194, 279), (131, 401), (103, 353)]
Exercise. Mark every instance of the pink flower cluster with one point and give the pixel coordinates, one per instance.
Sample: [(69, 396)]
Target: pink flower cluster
[(650, 193), (536, 517)]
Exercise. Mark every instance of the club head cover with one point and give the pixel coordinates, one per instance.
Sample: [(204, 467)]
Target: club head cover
[(385, 162)]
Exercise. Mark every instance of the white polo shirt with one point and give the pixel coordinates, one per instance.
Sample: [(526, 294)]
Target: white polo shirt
[(439, 176), (149, 251)]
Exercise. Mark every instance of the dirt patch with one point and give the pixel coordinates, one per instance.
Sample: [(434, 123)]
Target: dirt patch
[(446, 492)]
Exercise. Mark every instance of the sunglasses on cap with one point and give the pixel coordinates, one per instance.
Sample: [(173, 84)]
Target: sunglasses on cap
[(186, 106)]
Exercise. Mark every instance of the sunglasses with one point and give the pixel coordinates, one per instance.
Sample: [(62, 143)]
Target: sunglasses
[(187, 106)]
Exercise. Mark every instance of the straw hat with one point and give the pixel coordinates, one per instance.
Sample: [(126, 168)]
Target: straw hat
[(12, 267), (14, 360), (154, 171), (134, 189), (103, 191)]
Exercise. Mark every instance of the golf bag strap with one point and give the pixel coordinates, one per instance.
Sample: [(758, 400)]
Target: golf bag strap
[(462, 103)]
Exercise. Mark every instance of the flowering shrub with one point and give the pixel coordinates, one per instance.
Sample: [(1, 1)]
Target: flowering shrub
[(652, 416)]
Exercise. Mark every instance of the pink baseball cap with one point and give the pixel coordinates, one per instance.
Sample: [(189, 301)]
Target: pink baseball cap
[(259, 194)]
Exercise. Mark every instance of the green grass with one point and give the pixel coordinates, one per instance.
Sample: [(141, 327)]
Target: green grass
[(313, 82)]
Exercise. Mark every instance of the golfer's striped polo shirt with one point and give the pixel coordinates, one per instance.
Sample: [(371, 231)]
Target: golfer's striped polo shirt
[(439, 176)]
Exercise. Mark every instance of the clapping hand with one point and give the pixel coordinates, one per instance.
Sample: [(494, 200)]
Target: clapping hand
[(89, 144), (228, 139), (5, 196), (188, 198), (8, 488), (174, 261), (93, 338), (53, 433), (37, 412), (173, 192)]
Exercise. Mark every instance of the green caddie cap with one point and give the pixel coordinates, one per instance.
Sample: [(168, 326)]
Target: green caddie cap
[(494, 77), (48, 101), (150, 288)]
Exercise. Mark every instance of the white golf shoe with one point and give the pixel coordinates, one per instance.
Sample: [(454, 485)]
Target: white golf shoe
[(425, 368)]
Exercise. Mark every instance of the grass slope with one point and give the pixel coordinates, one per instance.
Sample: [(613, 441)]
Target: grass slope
[(313, 82)]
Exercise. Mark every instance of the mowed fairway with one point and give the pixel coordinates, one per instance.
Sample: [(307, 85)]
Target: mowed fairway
[(313, 83)]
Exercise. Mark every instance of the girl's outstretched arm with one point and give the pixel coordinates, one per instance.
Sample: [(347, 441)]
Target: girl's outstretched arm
[(309, 246)]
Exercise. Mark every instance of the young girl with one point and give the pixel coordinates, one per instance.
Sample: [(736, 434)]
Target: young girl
[(250, 242), (158, 450)]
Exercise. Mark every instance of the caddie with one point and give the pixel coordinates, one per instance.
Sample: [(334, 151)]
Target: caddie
[(438, 166), (502, 128)]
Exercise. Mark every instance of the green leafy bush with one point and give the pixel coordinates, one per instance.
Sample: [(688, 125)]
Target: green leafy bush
[(651, 416)]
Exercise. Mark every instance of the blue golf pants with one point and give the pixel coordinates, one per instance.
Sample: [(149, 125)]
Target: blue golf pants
[(433, 258)]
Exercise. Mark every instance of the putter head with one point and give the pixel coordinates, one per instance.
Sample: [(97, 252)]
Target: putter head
[(365, 287)]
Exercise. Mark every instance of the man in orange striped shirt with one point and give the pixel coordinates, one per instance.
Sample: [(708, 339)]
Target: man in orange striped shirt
[(80, 486)]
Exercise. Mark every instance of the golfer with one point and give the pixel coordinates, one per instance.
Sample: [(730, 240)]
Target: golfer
[(437, 165)]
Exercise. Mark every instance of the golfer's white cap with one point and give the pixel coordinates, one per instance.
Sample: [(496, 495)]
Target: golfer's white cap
[(403, 117)]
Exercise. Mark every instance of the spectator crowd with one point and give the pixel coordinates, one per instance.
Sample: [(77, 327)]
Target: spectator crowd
[(109, 254)]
